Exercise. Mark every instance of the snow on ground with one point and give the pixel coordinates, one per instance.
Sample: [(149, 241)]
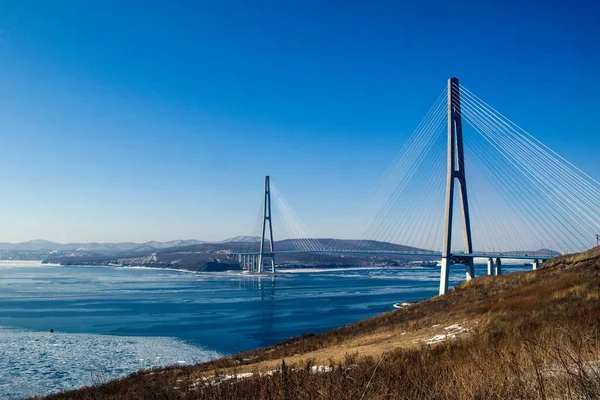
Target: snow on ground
[(451, 332), (320, 368), (41, 362), (218, 379)]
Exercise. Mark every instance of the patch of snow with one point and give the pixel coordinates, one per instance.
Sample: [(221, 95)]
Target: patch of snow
[(452, 331), (455, 327), (436, 339), (320, 368), (218, 379)]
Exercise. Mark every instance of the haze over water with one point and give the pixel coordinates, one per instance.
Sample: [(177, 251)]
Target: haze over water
[(109, 322)]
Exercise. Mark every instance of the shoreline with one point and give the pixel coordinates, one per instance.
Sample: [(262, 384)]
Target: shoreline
[(26, 263)]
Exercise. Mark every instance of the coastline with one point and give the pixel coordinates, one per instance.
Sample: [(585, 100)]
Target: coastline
[(26, 263)]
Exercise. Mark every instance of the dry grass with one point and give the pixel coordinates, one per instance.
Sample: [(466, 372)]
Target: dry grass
[(531, 335)]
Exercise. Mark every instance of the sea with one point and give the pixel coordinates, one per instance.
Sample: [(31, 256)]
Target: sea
[(109, 322)]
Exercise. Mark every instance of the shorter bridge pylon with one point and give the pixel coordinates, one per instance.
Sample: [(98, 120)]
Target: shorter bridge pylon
[(266, 217)]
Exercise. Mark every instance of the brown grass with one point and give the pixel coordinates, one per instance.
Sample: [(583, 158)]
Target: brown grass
[(532, 335)]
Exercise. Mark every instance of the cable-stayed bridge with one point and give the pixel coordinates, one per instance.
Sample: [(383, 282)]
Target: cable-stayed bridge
[(469, 183)]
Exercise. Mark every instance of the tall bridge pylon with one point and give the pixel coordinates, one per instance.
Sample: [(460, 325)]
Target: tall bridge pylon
[(456, 171), (266, 217)]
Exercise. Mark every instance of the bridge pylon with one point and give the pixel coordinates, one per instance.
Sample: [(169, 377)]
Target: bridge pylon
[(456, 171), (267, 216)]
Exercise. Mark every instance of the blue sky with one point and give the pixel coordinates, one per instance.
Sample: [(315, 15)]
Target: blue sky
[(158, 120)]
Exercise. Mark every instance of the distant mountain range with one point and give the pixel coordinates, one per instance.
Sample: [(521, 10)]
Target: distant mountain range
[(241, 239), (45, 245)]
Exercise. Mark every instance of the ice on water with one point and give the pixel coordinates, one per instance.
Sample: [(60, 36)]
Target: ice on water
[(43, 362)]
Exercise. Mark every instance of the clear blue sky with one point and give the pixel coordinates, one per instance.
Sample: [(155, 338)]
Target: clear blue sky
[(158, 120)]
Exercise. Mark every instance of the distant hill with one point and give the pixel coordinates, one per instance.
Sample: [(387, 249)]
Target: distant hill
[(39, 245), (540, 252), (345, 244), (241, 239), (46, 245)]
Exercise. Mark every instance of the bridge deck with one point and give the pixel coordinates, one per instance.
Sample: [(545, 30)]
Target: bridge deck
[(414, 253)]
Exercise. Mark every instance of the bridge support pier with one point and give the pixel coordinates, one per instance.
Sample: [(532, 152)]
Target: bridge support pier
[(445, 271), (444, 275), (498, 266), (469, 269), (490, 266), (535, 264)]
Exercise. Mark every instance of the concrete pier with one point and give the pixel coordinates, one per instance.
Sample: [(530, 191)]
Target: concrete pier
[(444, 275), (469, 269), (498, 266), (273, 269), (490, 266), (535, 264)]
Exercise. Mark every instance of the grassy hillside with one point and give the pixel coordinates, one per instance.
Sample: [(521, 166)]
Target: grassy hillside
[(527, 335)]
